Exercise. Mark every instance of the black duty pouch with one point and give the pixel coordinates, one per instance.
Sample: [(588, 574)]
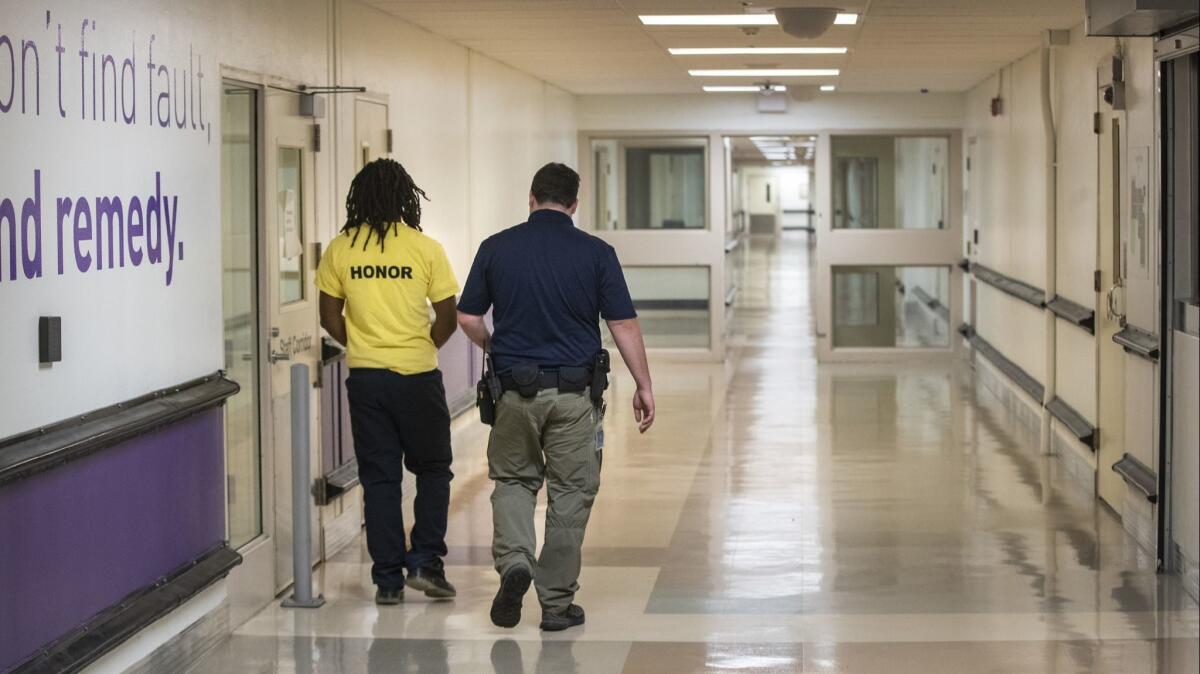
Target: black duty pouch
[(573, 379), (485, 402), (527, 377), (488, 391), (600, 376)]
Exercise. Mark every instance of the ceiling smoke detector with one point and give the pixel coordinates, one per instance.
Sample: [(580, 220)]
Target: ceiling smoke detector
[(806, 23)]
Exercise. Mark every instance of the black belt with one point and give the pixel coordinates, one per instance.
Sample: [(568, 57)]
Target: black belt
[(547, 379)]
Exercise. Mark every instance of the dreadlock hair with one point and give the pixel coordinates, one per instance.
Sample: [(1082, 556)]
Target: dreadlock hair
[(382, 195)]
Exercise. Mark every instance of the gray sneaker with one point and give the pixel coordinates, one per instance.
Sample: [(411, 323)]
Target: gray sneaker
[(561, 620)]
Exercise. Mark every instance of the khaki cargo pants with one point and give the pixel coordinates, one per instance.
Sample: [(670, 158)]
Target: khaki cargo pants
[(551, 438)]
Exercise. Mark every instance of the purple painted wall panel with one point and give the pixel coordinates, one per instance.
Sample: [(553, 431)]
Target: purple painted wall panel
[(78, 538)]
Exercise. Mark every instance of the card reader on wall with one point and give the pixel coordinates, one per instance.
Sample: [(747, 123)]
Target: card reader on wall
[(49, 339)]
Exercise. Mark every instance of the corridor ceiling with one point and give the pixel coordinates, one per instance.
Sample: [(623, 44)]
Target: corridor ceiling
[(601, 47)]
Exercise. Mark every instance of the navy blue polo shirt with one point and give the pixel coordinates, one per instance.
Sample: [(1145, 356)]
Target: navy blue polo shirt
[(549, 284)]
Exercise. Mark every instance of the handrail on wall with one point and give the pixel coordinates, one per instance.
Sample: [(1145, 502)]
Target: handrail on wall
[(49, 446), (1009, 285)]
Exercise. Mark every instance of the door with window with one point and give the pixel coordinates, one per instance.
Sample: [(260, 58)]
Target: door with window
[(1110, 318), (291, 311), (889, 235)]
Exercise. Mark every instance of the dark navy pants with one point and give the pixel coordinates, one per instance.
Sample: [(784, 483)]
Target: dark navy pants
[(401, 421)]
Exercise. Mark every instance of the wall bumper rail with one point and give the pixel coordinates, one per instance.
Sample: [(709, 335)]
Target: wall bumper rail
[(1139, 476), (1009, 285), (50, 446), (1075, 314), (1074, 421), (1020, 377), (935, 305), (109, 629), (1138, 342), (336, 483), (965, 265)]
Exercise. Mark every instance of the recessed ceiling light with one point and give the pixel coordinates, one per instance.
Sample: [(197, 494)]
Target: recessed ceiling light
[(746, 89), (828, 87), (728, 51), (766, 72), (842, 19), (709, 20)]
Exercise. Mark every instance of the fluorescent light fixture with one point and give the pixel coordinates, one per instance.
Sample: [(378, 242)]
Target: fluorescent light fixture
[(746, 89), (733, 51), (828, 87), (767, 72), (709, 20), (842, 19)]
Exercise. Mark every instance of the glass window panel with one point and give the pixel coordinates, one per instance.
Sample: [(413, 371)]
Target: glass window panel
[(891, 307), (650, 184), (239, 227), (673, 305), (888, 182), (291, 224)]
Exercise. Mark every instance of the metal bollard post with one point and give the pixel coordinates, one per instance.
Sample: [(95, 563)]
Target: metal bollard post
[(302, 595)]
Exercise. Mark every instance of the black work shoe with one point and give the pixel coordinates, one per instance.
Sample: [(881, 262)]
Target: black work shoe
[(506, 607), (389, 597), (432, 581), (556, 622)]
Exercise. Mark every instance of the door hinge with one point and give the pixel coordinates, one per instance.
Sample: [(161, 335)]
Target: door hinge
[(1096, 280), (1096, 123), (968, 163), (389, 141), (316, 137)]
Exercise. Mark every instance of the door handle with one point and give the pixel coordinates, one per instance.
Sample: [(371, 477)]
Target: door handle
[(1110, 301), (277, 356)]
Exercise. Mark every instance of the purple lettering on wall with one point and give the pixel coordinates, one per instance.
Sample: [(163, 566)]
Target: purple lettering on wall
[(83, 259), (110, 208), (62, 112), (134, 231), (5, 42), (164, 97), (180, 93), (63, 209), (108, 64), (26, 47), (130, 65), (31, 213), (154, 233), (150, 79), (9, 215), (83, 54)]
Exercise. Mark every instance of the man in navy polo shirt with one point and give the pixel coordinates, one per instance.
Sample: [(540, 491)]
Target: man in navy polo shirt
[(549, 285)]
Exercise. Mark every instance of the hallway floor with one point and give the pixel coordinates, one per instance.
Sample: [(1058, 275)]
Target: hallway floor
[(782, 517)]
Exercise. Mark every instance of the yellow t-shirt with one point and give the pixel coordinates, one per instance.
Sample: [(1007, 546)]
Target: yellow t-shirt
[(387, 315)]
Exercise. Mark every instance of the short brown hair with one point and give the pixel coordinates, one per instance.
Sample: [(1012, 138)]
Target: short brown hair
[(556, 183)]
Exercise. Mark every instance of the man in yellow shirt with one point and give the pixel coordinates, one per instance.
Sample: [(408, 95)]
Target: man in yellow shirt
[(378, 279)]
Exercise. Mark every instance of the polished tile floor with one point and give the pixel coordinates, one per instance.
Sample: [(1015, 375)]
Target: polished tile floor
[(782, 517)]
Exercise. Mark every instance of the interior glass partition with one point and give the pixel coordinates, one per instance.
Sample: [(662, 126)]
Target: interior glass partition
[(673, 304), (890, 182), (239, 245), (650, 183), (891, 306)]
